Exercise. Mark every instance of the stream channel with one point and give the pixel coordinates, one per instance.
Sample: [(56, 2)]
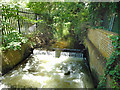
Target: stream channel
[(43, 69)]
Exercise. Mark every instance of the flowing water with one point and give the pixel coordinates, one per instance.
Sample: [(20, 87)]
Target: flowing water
[(43, 70)]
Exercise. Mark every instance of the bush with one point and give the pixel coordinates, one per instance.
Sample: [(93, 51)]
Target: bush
[(13, 41)]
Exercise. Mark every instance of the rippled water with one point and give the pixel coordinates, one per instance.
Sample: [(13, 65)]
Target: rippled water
[(44, 70)]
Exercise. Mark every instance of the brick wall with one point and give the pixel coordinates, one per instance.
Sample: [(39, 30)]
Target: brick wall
[(99, 46), (101, 41)]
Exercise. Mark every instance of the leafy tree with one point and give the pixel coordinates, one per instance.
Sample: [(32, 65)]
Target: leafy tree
[(99, 9), (57, 14)]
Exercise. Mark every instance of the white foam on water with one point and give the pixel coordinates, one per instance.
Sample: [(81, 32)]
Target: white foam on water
[(44, 70)]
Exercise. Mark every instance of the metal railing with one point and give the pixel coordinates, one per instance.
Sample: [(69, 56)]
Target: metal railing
[(19, 24)]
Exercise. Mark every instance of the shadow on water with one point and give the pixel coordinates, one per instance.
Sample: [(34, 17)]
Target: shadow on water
[(44, 70)]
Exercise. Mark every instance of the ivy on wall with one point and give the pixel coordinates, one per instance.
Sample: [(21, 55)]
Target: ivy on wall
[(112, 67)]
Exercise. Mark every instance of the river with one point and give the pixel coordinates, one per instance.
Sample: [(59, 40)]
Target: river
[(44, 70)]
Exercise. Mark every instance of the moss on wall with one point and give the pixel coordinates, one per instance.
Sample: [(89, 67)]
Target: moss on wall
[(10, 58)]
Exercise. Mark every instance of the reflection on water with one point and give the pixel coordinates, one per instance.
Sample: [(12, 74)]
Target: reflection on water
[(43, 70)]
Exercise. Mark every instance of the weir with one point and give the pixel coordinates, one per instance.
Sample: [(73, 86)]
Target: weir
[(44, 70)]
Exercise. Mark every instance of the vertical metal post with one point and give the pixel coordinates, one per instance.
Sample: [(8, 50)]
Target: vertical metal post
[(2, 26), (36, 20), (112, 22), (5, 28), (9, 26), (18, 22), (118, 5)]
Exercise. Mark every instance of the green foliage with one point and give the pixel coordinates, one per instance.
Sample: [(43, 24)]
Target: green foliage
[(57, 14), (112, 67), (98, 11), (13, 41), (11, 12), (8, 11)]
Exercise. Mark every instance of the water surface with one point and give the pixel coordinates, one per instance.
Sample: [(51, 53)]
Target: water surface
[(43, 70)]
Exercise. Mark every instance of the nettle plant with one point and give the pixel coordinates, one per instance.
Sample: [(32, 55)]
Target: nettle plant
[(112, 66)]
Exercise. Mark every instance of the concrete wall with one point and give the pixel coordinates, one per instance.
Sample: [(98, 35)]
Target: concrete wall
[(11, 58), (99, 46)]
